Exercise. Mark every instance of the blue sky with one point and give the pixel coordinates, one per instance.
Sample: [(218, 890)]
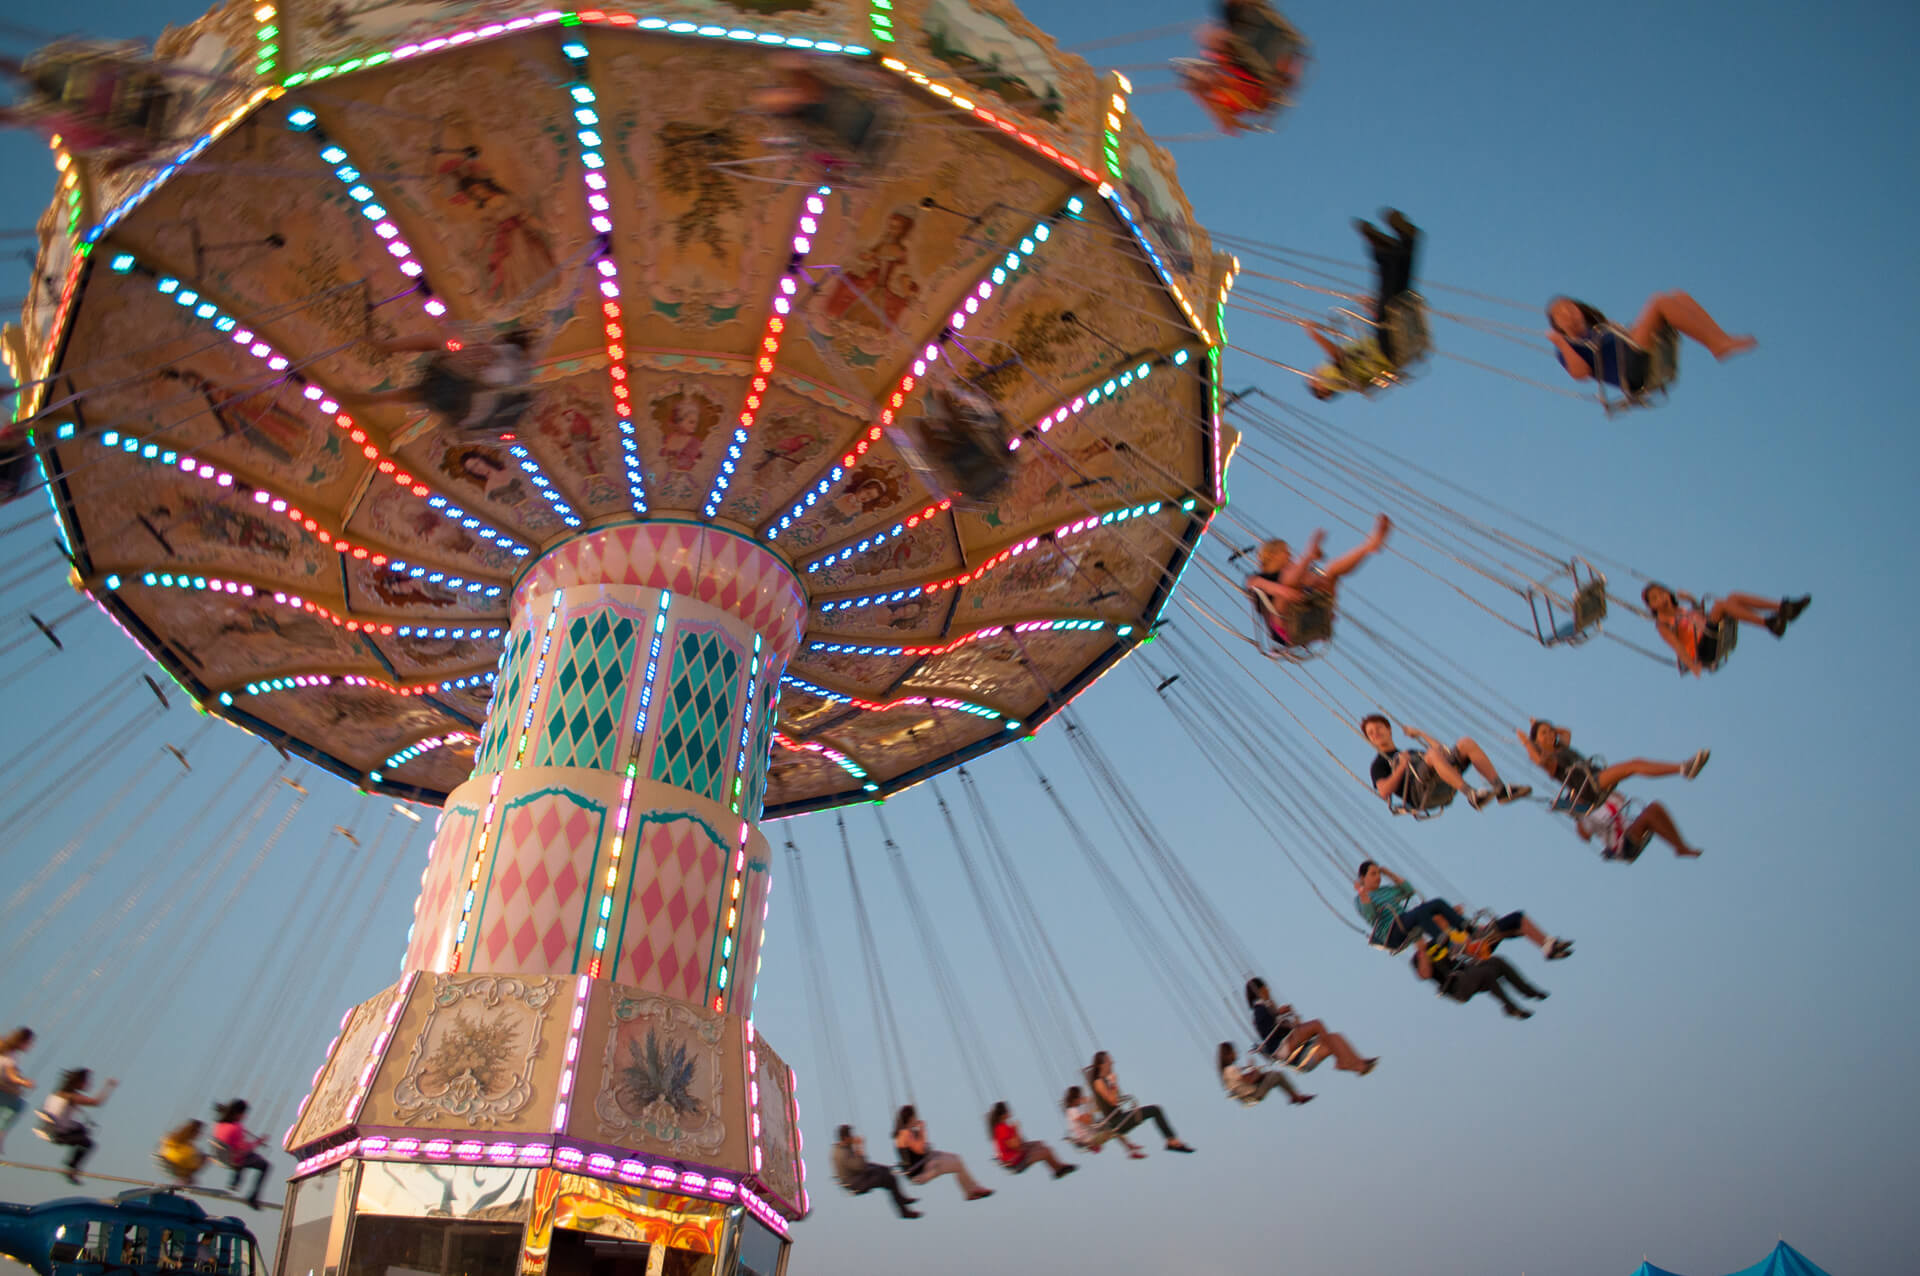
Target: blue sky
[(1728, 1057)]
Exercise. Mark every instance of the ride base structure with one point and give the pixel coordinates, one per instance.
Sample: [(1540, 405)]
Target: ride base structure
[(579, 638), (570, 1049)]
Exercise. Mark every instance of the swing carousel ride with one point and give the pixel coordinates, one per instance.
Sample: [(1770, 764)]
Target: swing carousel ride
[(828, 477), (619, 428)]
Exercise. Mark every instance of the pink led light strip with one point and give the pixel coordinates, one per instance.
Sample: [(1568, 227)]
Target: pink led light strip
[(365, 1080), (570, 1064), (318, 1072)]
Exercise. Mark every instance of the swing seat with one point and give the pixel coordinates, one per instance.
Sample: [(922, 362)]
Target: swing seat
[(1299, 632), (1722, 639), (113, 88), (16, 470), (959, 448), (1663, 369), (1305, 1057), (1411, 338), (849, 135), (1567, 619), (1435, 795), (1224, 86)]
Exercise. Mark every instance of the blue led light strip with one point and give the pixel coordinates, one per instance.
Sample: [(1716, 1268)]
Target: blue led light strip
[(302, 120)]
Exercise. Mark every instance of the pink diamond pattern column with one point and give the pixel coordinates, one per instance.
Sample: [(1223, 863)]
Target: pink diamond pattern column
[(436, 912), (534, 909), (667, 941)]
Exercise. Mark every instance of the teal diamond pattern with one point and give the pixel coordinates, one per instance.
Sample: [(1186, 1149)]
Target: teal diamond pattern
[(694, 721), (499, 714), (589, 693)]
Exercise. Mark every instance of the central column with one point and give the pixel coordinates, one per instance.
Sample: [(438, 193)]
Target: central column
[(569, 1053), (610, 825)]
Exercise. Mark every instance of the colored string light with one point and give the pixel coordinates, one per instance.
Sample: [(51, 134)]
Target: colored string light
[(423, 747), (1116, 118), (266, 35), (493, 791), (1024, 627), (570, 1062), (586, 118), (1105, 392), (302, 120), (1009, 127), (167, 170), (294, 682), (1124, 514), (880, 538), (746, 726), (803, 237), (724, 975), (492, 30), (983, 289), (874, 706), (1140, 236), (831, 754), (625, 810), (147, 450), (316, 398)]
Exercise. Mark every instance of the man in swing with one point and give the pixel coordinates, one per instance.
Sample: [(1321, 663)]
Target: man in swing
[(859, 1175), (1418, 777), (1357, 364)]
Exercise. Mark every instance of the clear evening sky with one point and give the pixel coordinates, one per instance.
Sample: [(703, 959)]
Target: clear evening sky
[(1729, 1056)]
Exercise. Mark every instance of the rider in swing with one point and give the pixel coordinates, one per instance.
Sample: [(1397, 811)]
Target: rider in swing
[(1357, 364), (1286, 587), (1250, 65)]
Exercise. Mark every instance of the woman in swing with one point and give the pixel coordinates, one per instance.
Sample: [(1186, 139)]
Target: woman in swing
[(1289, 591), (1592, 347), (1111, 1103), (1299, 1043), (921, 1163), (1587, 793), (1016, 1152), (1087, 1131), (1694, 631), (1251, 1083)]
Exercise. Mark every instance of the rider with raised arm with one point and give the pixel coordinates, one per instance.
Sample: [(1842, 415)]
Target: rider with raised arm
[(1416, 776), (1286, 587), (1587, 793)]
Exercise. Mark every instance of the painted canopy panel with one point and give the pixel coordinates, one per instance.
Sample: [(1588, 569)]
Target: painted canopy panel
[(234, 329)]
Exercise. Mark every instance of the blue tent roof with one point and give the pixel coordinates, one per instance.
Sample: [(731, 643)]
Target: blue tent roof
[(1648, 1269), (1785, 1260)]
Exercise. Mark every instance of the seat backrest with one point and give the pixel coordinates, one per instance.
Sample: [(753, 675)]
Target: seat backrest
[(1590, 604), (1726, 636), (1407, 320)]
